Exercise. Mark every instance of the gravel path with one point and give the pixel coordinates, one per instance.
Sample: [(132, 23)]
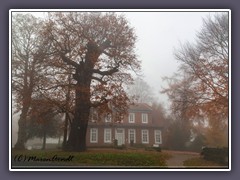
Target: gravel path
[(177, 159)]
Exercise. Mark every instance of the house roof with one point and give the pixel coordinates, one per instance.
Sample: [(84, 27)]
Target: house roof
[(140, 107)]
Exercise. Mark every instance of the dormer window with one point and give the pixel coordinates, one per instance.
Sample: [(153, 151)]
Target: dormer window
[(131, 118), (93, 116), (144, 118), (108, 118)]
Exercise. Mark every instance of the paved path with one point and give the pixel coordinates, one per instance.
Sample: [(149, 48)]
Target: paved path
[(177, 159)]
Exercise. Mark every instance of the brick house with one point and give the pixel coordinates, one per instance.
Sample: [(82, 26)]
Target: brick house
[(137, 127)]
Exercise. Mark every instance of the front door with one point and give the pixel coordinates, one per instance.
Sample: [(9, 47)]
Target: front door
[(119, 135)]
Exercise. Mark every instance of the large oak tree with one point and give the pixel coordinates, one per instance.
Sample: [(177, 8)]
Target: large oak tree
[(99, 47)]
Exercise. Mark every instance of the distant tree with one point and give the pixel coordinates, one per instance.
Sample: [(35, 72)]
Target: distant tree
[(140, 91), (175, 136), (28, 54), (99, 48), (60, 92), (159, 114), (43, 121), (179, 130)]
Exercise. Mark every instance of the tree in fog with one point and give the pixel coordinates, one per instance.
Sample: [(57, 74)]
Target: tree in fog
[(207, 61), (99, 47), (159, 114), (178, 132), (140, 91), (43, 121), (28, 53), (205, 65)]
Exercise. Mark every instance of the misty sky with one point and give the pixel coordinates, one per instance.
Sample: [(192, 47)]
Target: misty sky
[(158, 34)]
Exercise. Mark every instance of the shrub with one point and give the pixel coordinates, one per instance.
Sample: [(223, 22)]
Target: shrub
[(158, 149), (219, 155), (121, 147), (115, 143)]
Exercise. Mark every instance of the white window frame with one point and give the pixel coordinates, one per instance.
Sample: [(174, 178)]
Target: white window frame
[(158, 133), (134, 137), (144, 118), (109, 132), (108, 118), (94, 116), (131, 120), (145, 132), (91, 135), (122, 133)]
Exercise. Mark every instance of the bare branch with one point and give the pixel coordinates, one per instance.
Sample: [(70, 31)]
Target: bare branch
[(68, 61), (102, 102), (99, 80), (108, 72)]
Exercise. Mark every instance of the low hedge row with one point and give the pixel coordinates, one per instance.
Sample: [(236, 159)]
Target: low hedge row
[(219, 155)]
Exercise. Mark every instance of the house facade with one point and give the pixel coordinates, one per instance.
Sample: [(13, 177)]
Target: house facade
[(135, 128)]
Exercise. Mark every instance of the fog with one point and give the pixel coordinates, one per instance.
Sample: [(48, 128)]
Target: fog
[(158, 34)]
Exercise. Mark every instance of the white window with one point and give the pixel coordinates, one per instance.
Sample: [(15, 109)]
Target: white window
[(93, 135), (108, 118), (145, 138), (93, 116), (131, 118), (107, 135), (120, 136), (144, 118), (132, 135), (158, 137)]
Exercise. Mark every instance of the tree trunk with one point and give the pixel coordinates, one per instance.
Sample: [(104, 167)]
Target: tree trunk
[(78, 131), (26, 100), (66, 115), (44, 140), (77, 136), (20, 144), (83, 76), (65, 131)]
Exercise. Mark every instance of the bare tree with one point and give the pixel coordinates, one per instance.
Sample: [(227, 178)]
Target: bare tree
[(99, 47), (140, 91), (207, 63), (204, 65)]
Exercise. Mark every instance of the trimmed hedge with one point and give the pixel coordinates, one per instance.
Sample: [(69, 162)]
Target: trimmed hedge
[(219, 155)]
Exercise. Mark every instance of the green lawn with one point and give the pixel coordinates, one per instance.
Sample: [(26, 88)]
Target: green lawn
[(101, 157)]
